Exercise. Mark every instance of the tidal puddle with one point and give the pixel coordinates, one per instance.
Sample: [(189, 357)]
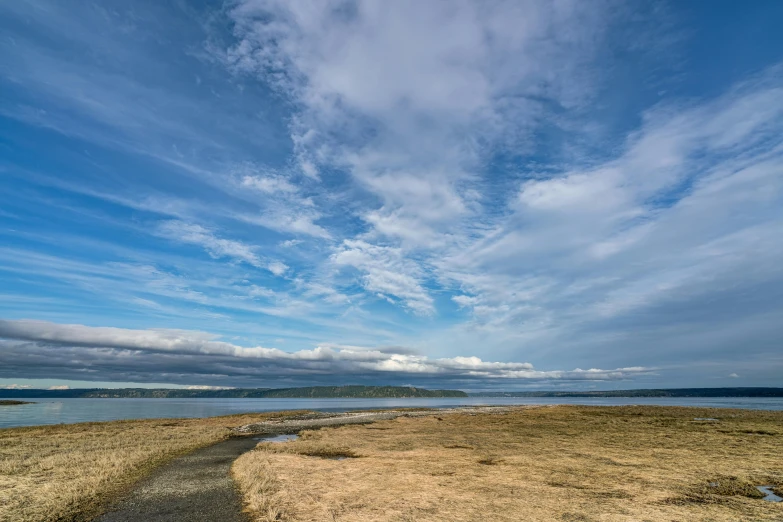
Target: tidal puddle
[(771, 497), (705, 419), (277, 438)]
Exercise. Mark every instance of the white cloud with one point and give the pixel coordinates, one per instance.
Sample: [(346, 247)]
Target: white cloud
[(321, 290), (408, 96), (688, 201), (386, 272), (217, 247), (282, 205), (284, 219), (465, 300), (471, 152), (277, 268), (268, 184)]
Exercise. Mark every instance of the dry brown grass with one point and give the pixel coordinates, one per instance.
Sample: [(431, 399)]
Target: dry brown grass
[(67, 472), (551, 463)]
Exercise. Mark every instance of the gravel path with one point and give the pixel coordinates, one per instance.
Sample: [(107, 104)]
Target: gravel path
[(193, 488)]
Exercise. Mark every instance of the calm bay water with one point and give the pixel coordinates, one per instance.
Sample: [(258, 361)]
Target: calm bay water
[(56, 411)]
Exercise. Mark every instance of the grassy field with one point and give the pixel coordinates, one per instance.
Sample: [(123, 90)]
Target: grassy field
[(65, 473), (563, 463)]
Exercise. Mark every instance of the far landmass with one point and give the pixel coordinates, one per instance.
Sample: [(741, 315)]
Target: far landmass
[(672, 392), (13, 403), (368, 392), (313, 392)]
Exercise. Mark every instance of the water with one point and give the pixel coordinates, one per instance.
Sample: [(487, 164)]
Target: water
[(770, 496), (56, 411), (278, 438)]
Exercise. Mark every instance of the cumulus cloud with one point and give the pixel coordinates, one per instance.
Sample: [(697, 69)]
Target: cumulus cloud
[(33, 348)]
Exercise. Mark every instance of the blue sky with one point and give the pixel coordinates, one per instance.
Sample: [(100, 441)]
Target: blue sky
[(492, 195)]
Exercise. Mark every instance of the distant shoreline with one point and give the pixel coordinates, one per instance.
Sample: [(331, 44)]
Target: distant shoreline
[(313, 392), (661, 392), (375, 392), (13, 403)]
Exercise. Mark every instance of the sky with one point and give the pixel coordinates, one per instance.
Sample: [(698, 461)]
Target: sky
[(449, 194)]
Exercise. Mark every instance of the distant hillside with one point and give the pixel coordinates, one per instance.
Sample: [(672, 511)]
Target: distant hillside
[(314, 392), (673, 392), (132, 393), (361, 392)]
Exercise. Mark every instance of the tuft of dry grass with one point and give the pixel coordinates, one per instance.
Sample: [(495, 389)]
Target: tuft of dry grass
[(715, 490), (261, 489), (68, 472), (550, 463), (309, 445)]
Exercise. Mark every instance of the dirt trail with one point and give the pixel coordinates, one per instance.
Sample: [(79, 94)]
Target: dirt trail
[(193, 488)]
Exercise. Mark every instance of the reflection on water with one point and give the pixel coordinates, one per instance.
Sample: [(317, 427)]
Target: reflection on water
[(56, 411)]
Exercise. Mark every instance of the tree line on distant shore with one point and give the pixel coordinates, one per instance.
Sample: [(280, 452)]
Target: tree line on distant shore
[(367, 392), (671, 392), (314, 392)]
